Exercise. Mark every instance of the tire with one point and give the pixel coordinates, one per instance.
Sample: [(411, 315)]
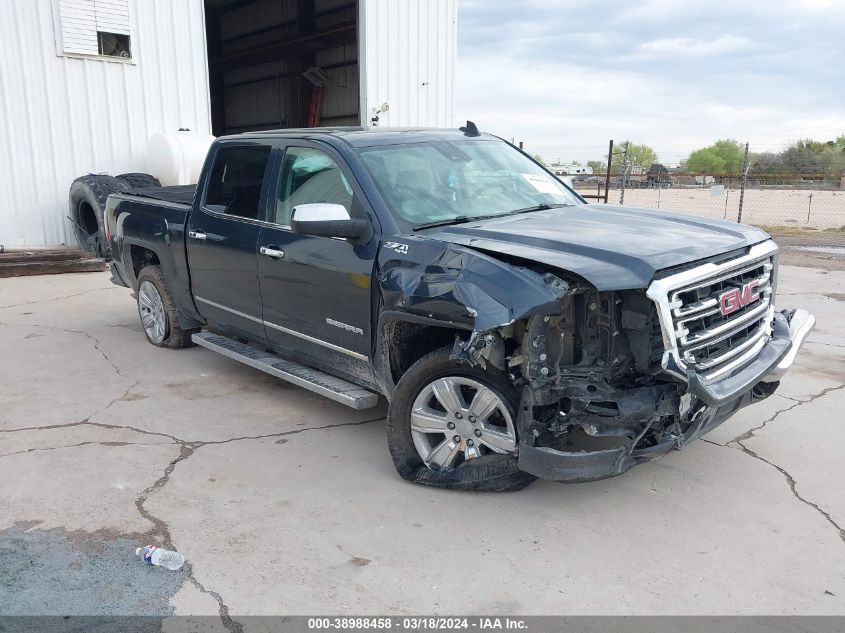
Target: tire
[(139, 180), (491, 472), (86, 202), (172, 335)]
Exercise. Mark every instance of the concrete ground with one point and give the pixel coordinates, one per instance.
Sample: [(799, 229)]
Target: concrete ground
[(284, 502)]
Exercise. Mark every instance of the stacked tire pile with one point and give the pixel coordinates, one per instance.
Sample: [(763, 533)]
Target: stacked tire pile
[(87, 201)]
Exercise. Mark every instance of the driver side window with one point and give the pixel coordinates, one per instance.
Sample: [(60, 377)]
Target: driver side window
[(234, 186), (310, 175)]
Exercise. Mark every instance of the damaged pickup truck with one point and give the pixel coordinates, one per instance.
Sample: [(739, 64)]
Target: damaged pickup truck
[(516, 331)]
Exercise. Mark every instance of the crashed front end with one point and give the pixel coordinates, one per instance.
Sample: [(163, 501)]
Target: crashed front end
[(610, 379)]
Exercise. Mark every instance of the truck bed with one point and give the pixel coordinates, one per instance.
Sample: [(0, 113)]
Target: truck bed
[(181, 194)]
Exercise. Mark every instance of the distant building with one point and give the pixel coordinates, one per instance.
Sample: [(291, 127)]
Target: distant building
[(571, 169)]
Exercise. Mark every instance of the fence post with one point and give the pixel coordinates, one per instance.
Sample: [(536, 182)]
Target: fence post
[(745, 167), (607, 175), (809, 207), (624, 173)]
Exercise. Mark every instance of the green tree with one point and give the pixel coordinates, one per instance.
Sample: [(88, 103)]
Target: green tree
[(804, 157), (639, 155), (723, 156), (731, 152), (598, 166), (767, 163), (833, 156), (540, 160), (704, 160)]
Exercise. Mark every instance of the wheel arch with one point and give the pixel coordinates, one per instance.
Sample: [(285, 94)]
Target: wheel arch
[(140, 256), (137, 254), (404, 338)]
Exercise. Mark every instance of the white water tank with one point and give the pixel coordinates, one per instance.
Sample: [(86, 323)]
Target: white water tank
[(177, 158)]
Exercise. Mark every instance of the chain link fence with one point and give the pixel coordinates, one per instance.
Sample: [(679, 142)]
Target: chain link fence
[(777, 200)]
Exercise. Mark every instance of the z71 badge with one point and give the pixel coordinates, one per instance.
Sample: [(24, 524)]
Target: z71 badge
[(400, 248)]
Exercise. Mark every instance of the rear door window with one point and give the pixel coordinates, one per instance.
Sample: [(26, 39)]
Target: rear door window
[(234, 186)]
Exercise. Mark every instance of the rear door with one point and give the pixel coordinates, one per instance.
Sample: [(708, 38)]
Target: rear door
[(223, 238), (317, 293)]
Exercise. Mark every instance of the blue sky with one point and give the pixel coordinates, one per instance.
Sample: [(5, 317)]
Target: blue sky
[(566, 76)]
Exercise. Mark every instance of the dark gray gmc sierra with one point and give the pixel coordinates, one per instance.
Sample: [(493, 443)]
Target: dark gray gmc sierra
[(516, 331)]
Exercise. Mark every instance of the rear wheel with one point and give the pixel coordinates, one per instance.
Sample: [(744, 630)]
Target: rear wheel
[(157, 310), (453, 426)]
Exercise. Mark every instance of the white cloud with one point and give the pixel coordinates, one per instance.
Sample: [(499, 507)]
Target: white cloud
[(695, 48)]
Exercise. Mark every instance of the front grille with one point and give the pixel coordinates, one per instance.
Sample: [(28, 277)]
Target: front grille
[(695, 330), (707, 339)]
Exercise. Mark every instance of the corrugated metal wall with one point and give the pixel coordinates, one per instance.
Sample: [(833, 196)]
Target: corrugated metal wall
[(407, 52), (61, 117)]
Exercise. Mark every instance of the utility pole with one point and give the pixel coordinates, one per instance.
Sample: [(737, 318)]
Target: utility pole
[(625, 168), (745, 167)]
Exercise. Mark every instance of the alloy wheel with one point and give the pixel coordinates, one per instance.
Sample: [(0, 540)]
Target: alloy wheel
[(455, 419), (151, 309)]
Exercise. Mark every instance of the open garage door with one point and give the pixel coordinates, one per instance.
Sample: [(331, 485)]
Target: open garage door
[(282, 63)]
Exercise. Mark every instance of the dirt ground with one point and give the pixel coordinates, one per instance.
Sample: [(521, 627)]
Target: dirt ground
[(771, 207), (284, 502), (823, 249)]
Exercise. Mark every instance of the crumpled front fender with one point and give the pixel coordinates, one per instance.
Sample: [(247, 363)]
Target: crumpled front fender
[(455, 284)]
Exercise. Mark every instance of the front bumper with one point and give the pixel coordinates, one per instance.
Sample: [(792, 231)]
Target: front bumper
[(801, 323), (789, 331), (723, 398), (554, 465)]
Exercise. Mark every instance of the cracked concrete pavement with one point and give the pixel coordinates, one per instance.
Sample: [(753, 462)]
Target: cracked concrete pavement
[(286, 503)]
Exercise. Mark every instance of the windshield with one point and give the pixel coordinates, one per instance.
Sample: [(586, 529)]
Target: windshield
[(443, 181)]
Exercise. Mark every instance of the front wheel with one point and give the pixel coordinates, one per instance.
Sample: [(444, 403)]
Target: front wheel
[(453, 426)]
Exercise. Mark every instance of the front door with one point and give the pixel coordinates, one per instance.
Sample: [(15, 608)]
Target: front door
[(222, 240), (317, 291)]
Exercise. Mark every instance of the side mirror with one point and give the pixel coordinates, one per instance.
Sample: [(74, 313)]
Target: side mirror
[(328, 220)]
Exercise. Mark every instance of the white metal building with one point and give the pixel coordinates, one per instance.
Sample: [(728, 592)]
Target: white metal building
[(85, 83)]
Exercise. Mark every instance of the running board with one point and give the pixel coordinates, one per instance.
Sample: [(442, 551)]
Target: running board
[(314, 380)]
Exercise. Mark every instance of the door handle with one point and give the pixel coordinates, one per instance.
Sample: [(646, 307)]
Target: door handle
[(197, 235), (272, 253)]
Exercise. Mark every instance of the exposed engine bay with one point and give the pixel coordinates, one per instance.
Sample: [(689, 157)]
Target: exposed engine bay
[(592, 381)]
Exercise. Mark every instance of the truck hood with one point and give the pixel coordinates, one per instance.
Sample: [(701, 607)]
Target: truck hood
[(611, 246)]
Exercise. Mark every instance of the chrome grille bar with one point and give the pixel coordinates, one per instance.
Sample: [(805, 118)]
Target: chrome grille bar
[(713, 361), (767, 266), (714, 375), (692, 308), (728, 326)]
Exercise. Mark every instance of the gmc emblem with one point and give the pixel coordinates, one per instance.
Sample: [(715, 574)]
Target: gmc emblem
[(736, 298)]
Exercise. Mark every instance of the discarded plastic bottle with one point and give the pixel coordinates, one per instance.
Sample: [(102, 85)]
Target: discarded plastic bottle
[(153, 555)]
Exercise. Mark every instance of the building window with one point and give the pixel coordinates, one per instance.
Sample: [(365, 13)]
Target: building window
[(114, 44), (93, 27)]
